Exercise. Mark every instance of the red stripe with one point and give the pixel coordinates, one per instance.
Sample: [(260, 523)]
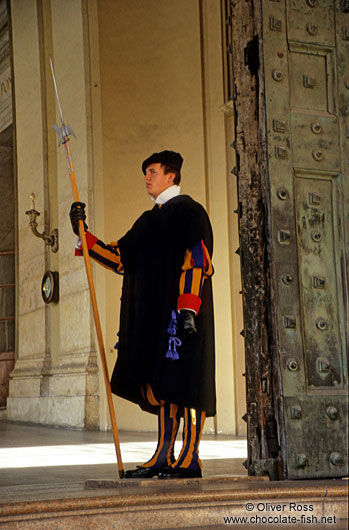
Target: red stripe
[(189, 301), (91, 239)]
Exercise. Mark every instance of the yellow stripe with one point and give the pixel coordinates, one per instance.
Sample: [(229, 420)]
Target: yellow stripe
[(196, 282), (203, 418), (106, 254), (182, 283), (186, 421), (189, 457), (209, 269), (173, 415), (150, 396), (187, 261), (161, 441)]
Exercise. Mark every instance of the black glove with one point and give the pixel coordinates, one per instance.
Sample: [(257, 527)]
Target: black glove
[(187, 322), (77, 212)]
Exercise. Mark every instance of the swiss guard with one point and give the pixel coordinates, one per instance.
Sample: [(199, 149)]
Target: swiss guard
[(166, 358)]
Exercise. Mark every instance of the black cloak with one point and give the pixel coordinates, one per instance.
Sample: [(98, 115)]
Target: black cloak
[(152, 253)]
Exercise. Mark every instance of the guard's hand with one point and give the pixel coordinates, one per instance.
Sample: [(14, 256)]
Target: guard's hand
[(187, 322), (77, 212)]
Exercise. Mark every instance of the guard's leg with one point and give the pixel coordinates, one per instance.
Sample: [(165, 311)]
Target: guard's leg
[(168, 423), (188, 463)]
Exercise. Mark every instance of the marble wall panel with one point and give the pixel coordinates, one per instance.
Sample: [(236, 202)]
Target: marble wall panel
[(75, 322), (31, 330)]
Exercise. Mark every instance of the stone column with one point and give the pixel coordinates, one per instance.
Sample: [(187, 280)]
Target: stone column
[(7, 220), (55, 380)]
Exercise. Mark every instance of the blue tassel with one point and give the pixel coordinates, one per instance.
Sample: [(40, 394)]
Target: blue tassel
[(172, 353)]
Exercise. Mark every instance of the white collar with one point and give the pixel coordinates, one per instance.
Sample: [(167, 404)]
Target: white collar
[(167, 194)]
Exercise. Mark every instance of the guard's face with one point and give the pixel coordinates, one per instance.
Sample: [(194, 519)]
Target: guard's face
[(156, 181)]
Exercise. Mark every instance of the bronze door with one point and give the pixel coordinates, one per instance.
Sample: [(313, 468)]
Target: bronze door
[(297, 58)]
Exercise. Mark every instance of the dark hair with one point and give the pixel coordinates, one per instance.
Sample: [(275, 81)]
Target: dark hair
[(171, 169)]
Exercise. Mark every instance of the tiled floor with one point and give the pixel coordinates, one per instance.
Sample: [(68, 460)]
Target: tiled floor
[(36, 459), (43, 474)]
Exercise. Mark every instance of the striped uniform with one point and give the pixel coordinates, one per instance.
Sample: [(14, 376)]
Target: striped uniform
[(195, 268)]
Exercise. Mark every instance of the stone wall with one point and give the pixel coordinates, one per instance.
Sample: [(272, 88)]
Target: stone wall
[(55, 380), (7, 214)]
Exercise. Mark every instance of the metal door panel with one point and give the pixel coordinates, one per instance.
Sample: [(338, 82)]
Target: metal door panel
[(315, 215), (309, 82), (315, 142), (293, 168), (317, 427), (306, 191), (311, 21)]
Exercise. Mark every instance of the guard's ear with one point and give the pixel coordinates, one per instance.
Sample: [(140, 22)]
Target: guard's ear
[(171, 176)]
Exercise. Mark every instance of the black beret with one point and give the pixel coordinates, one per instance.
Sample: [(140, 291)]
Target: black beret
[(168, 158)]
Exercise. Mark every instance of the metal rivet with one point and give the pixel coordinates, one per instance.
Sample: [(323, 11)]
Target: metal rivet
[(336, 459), (316, 236), (287, 278), (309, 82), (277, 75), (280, 54), (296, 412), (316, 128), (312, 3), (314, 198), (292, 365), (280, 152), (275, 23), (301, 460), (332, 412), (279, 125), (284, 237), (311, 28), (264, 385), (319, 282), (282, 193), (323, 366), (290, 322), (318, 155), (321, 324)]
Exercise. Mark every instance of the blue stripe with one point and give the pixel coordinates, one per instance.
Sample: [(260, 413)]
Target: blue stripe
[(198, 429), (201, 282), (188, 281), (109, 248), (194, 456), (198, 255), (110, 264), (187, 423)]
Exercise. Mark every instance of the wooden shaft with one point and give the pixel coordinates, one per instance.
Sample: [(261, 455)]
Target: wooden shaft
[(96, 318)]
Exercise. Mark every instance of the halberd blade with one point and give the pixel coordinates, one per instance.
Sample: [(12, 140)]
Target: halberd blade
[(64, 131)]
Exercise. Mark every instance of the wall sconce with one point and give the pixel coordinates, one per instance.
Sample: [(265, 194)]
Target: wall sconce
[(51, 240)]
